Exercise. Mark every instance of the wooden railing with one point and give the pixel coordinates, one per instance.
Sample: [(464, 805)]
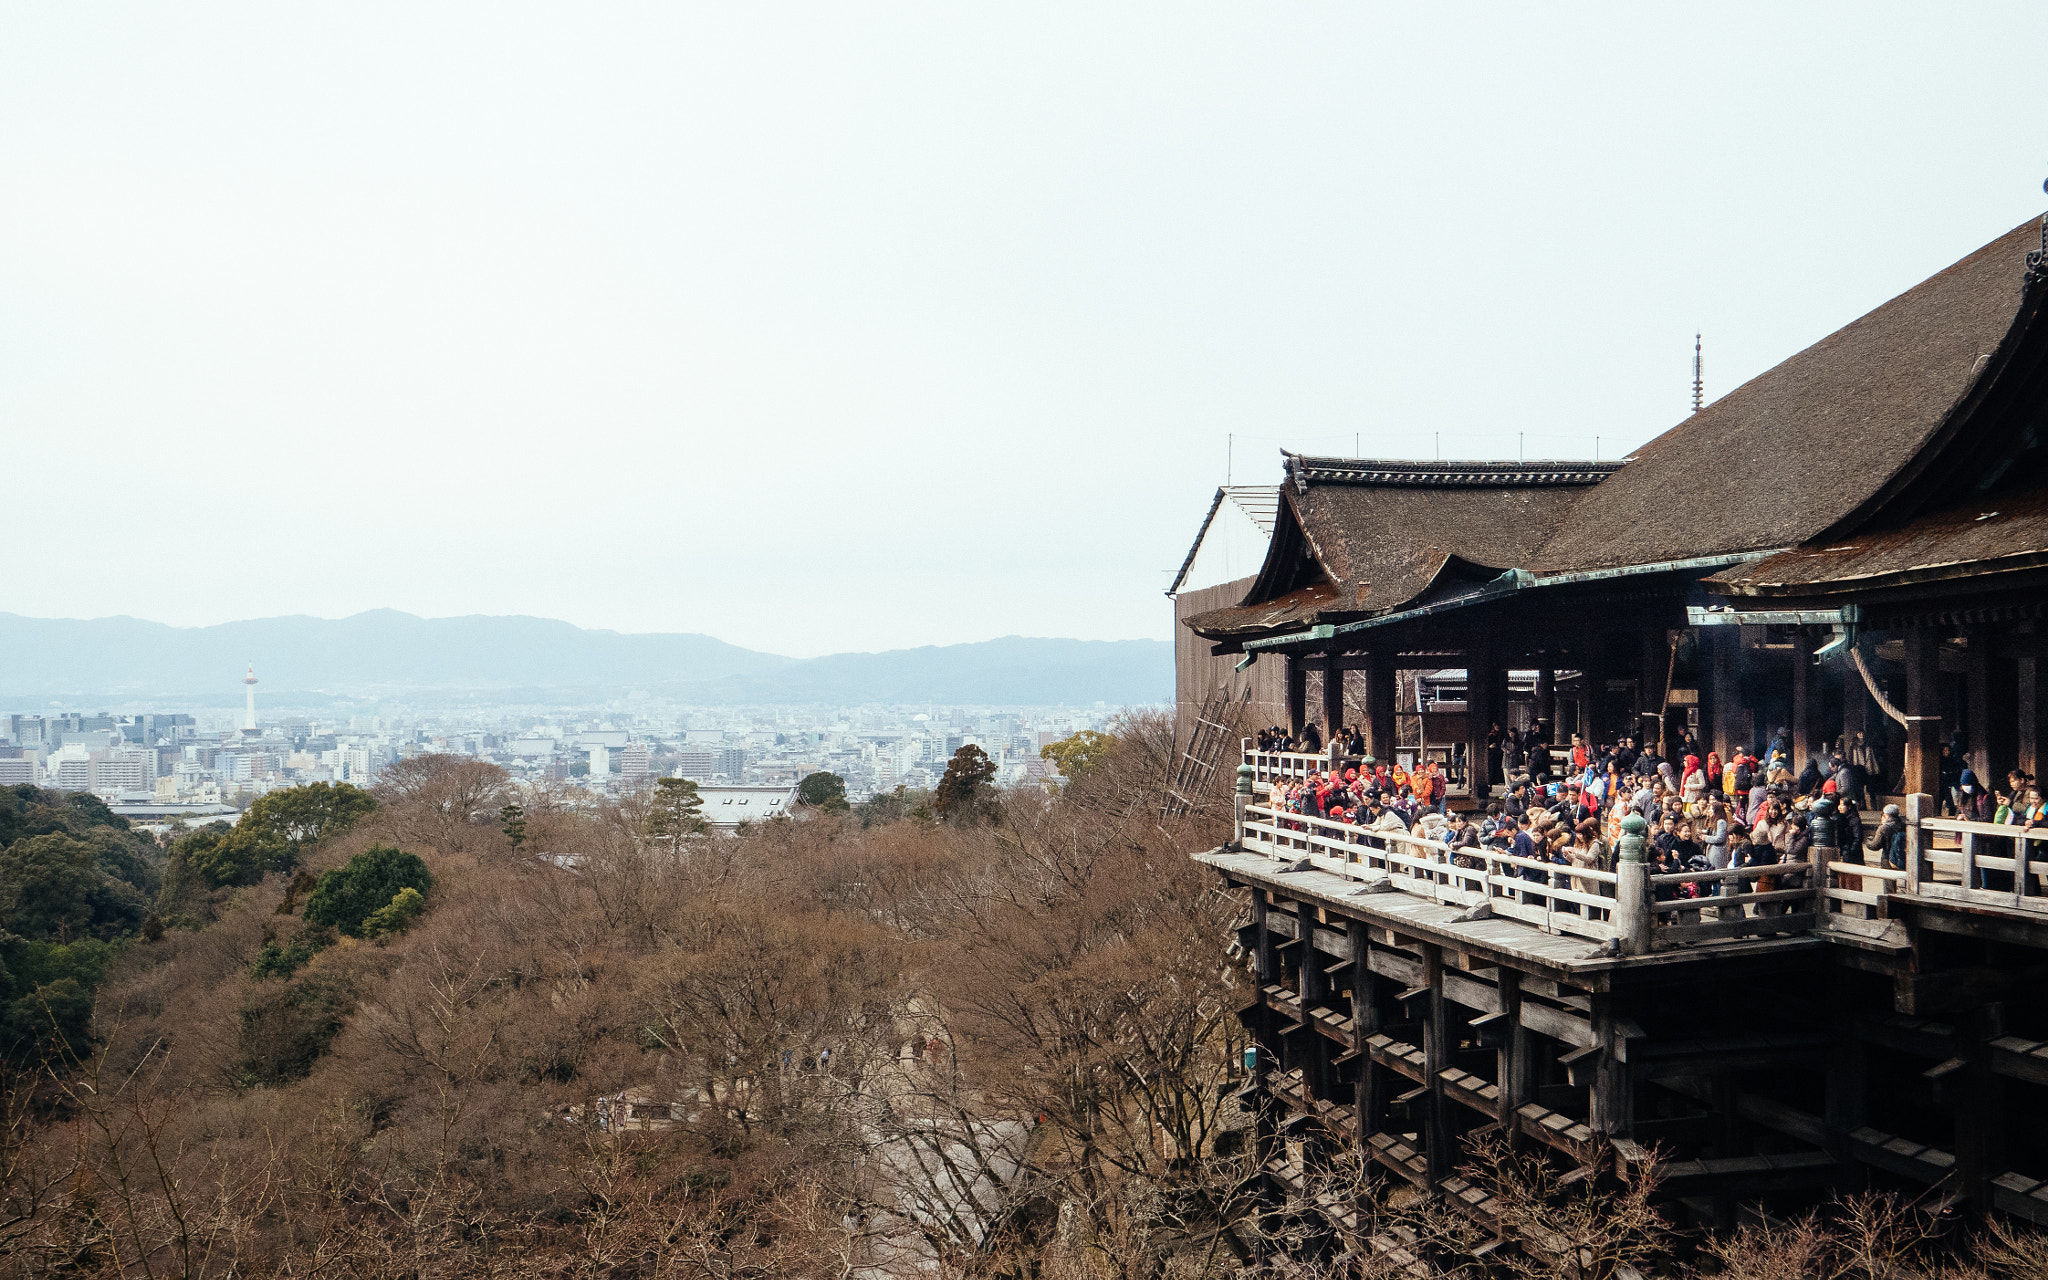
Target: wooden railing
[(1559, 899), (1282, 766), (1295, 766), (1675, 909), (1977, 862), (1856, 890)]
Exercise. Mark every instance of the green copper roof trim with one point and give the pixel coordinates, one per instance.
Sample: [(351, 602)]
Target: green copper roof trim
[(1507, 584)]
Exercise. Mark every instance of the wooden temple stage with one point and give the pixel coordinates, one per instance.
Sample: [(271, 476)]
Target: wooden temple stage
[(1866, 1031), (1849, 551)]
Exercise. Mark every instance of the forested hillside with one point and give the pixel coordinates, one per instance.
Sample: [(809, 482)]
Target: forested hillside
[(581, 1043), (450, 1030)]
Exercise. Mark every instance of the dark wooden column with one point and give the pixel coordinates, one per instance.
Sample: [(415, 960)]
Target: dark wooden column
[(1653, 667), (1592, 660), (1265, 1124), (1513, 1061), (1265, 961), (2002, 720), (1297, 693), (1379, 705), (2031, 680), (1480, 712), (1846, 1099), (1436, 1055), (1992, 717), (1613, 1097), (1365, 1024), (1726, 688), (1333, 698), (1805, 690), (1311, 989), (1978, 1096), (1546, 701), (1923, 704)]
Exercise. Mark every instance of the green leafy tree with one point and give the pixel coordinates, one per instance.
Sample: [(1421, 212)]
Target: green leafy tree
[(885, 807), (825, 791), (1078, 753), (91, 811), (395, 915), (281, 823), (283, 959), (675, 812), (214, 858), (53, 888), (46, 995), (959, 791), (513, 818), (347, 896), (188, 873), (269, 836)]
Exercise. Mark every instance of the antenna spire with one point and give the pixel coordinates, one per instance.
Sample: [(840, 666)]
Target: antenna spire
[(1699, 397)]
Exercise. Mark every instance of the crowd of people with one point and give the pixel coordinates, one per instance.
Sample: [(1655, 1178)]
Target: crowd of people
[(1564, 808)]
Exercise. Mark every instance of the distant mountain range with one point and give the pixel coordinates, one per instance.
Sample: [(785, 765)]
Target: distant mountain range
[(385, 653)]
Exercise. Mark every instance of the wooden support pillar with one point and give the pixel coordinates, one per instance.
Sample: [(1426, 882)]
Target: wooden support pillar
[(1365, 1024), (1379, 705), (2002, 721), (1845, 1108), (1994, 714), (1975, 713), (2030, 678), (1480, 712), (1653, 667), (1333, 698), (1924, 712), (1297, 693), (1265, 1124), (1592, 657), (1804, 688), (1436, 1055), (1725, 690), (1514, 1061), (1264, 958), (1978, 1096), (1311, 988), (1546, 702), (1728, 1141), (1612, 1109)]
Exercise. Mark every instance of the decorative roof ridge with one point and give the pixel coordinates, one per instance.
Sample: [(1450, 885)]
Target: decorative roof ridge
[(1459, 473)]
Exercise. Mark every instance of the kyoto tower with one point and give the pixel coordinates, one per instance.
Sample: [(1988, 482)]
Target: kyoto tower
[(249, 713)]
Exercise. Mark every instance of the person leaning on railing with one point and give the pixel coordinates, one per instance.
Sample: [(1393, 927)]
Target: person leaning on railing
[(1741, 853), (1889, 840), (1463, 839)]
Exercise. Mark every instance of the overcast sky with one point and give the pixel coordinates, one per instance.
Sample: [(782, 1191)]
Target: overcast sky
[(860, 326)]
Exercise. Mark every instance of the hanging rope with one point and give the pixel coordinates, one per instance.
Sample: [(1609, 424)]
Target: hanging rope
[(1856, 656)]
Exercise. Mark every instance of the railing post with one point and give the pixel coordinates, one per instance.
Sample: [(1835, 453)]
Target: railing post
[(1243, 798), (2022, 871), (1632, 889), (1915, 838), (1821, 852)]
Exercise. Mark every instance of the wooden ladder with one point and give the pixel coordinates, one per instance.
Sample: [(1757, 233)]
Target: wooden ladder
[(1195, 767)]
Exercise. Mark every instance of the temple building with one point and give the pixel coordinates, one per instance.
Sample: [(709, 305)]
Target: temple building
[(1854, 542)]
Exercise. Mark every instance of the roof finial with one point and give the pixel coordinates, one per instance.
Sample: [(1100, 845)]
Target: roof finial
[(2037, 261), (1698, 387)]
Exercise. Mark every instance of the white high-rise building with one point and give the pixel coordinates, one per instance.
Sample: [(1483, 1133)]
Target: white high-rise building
[(249, 712)]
